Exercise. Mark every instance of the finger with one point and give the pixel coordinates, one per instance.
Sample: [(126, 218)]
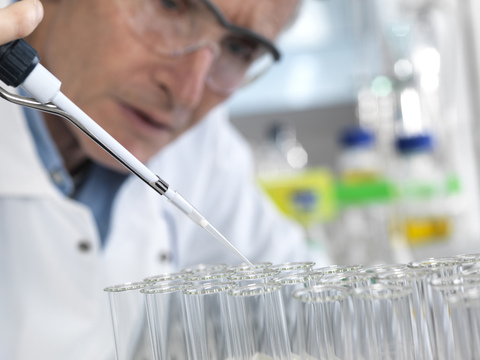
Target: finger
[(19, 19)]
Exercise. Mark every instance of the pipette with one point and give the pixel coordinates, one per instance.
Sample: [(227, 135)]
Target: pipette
[(19, 66)]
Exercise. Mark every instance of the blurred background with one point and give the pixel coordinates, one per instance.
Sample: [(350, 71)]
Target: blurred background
[(366, 132)]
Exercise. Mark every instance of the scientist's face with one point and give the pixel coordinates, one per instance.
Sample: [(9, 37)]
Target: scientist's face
[(142, 98)]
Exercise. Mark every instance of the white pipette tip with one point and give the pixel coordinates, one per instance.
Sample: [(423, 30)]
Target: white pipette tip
[(216, 234)]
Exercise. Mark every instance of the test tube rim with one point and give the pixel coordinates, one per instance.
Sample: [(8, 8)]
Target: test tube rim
[(253, 274), (407, 274), (370, 293), (196, 268), (291, 279), (208, 275), (345, 278), (373, 269), (135, 285), (293, 265), (300, 295), (337, 269), (437, 263), (473, 256), (253, 289), (208, 288), (166, 277), (165, 288), (245, 266)]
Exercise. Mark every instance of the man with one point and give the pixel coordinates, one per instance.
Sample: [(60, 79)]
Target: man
[(71, 220)]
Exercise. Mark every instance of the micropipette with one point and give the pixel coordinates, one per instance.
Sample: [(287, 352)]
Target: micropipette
[(19, 66)]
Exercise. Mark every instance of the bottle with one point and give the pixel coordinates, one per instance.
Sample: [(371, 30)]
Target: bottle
[(300, 192), (359, 233), (422, 221)]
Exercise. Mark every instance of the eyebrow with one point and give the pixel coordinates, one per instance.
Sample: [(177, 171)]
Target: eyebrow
[(241, 30)]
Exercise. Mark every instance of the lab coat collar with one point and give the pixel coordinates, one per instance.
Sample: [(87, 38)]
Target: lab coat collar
[(22, 172)]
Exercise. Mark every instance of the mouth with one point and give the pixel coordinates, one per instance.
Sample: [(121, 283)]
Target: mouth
[(144, 121)]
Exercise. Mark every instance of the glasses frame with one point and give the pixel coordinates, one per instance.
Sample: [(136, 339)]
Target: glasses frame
[(242, 31)]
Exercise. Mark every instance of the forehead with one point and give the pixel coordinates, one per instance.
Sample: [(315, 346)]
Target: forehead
[(266, 17)]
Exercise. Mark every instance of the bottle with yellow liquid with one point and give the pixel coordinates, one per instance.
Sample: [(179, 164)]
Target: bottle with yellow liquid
[(359, 233), (421, 217)]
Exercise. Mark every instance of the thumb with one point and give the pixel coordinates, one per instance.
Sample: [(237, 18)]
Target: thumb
[(19, 19)]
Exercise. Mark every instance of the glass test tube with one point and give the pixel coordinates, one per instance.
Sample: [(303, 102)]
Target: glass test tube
[(315, 276), (383, 320), (441, 266), (208, 276), (293, 267), (381, 268), (471, 261), (208, 320), (203, 267), (325, 322), (130, 326), (167, 277), (289, 284), (244, 266), (350, 279), (440, 290), (465, 314), (258, 321), (335, 269), (417, 280), (166, 320), (254, 276), (312, 277)]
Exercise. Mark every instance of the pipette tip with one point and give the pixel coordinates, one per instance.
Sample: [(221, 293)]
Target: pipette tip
[(216, 234)]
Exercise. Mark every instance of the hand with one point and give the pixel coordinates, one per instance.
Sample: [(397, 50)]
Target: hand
[(19, 19)]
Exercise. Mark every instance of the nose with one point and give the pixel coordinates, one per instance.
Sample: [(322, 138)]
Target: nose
[(187, 75)]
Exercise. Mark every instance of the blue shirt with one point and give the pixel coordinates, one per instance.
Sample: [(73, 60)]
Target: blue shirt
[(97, 187)]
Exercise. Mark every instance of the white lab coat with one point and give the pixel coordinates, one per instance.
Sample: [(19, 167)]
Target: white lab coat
[(52, 303)]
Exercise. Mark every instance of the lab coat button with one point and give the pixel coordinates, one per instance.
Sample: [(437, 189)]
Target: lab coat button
[(57, 176), (84, 246), (164, 257)]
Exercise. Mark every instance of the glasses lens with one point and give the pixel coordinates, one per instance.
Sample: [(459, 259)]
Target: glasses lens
[(237, 67), (176, 27), (167, 26)]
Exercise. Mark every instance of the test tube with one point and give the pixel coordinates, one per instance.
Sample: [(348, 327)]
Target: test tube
[(204, 267), (293, 267), (246, 277), (441, 266), (465, 314), (440, 290), (244, 266), (258, 322), (350, 279), (289, 284), (470, 261), (208, 320), (335, 269), (471, 271), (208, 276), (315, 276), (167, 277), (325, 319), (312, 277), (383, 318), (417, 280), (166, 320), (381, 268), (130, 326)]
